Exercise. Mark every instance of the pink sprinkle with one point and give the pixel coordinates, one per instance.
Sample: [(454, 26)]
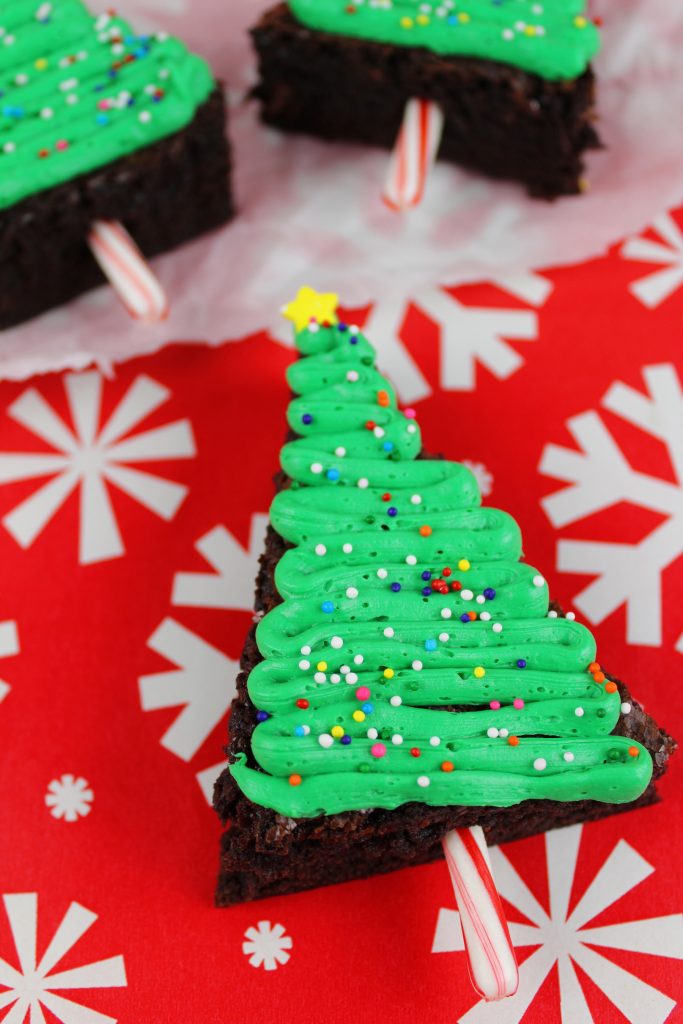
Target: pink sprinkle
[(61, 144), (103, 104), (518, 703), (494, 705), (409, 413), (362, 693), (378, 750)]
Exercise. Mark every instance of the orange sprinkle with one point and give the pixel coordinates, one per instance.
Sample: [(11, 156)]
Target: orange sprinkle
[(425, 531), (599, 677), (472, 616), (594, 666), (610, 688), (382, 398), (447, 766), (513, 741), (633, 751), (295, 780)]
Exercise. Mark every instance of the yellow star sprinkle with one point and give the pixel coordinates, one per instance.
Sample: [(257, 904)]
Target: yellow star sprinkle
[(311, 305)]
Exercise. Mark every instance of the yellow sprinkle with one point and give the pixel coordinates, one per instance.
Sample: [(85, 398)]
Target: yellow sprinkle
[(40, 64), (530, 30), (580, 21), (479, 672), (388, 673), (422, 19), (463, 17), (463, 565), (406, 22), (322, 666), (358, 716), (337, 732)]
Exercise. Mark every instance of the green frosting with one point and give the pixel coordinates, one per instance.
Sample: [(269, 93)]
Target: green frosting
[(551, 38), (402, 596), (78, 91)]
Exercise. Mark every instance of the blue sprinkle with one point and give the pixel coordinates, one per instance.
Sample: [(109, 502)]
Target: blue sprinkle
[(342, 327), (327, 607), (113, 74), (307, 418), (392, 511), (521, 663), (299, 731), (426, 575), (489, 593), (427, 591), (345, 740), (98, 88), (333, 474), (368, 708), (102, 119), (353, 341), (388, 446), (262, 716), (430, 645), (464, 618), (396, 587)]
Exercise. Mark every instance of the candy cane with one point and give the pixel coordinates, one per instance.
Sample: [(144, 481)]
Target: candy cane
[(413, 155), (127, 271), (491, 955)]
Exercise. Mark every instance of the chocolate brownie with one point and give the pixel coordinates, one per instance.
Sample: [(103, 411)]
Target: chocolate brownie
[(500, 119), (266, 849)]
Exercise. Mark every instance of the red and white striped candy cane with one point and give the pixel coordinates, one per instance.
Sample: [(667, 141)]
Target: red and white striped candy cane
[(491, 955), (413, 155), (127, 271)]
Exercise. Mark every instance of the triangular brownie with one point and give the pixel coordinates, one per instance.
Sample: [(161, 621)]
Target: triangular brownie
[(408, 674)]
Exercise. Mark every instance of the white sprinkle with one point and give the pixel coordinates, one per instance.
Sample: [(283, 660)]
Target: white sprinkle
[(8, 40), (319, 677), (415, 499), (72, 98), (423, 781), (9, 147), (444, 637), (397, 739), (417, 665), (344, 670), (571, 616), (434, 741), (579, 712), (389, 632), (352, 375), (446, 613), (503, 733), (480, 599), (351, 592), (304, 665), (625, 708), (568, 756), (363, 483), (320, 549), (395, 701), (552, 615), (538, 581), (492, 732), (347, 548), (306, 729), (144, 116), (46, 113), (466, 595), (382, 574), (313, 328), (411, 560), (316, 467), (325, 740), (340, 451), (336, 642), (21, 79), (358, 659), (335, 678), (411, 428), (508, 34), (372, 734), (351, 678), (485, 616), (67, 84), (379, 432), (497, 627), (540, 764), (305, 649)]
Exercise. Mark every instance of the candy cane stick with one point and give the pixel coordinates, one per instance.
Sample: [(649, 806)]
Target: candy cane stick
[(491, 956), (127, 271), (413, 155)]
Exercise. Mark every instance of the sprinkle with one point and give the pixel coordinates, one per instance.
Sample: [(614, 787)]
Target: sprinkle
[(337, 731), (347, 548), (262, 716), (396, 587), (485, 616), (434, 741), (494, 705), (302, 730), (319, 677), (447, 766), (540, 764), (397, 739), (463, 565), (388, 631), (411, 560), (336, 642), (325, 740), (395, 701), (497, 627), (504, 733), (594, 666), (352, 376), (320, 549), (513, 741), (392, 511), (307, 418), (599, 677), (9, 147), (327, 607), (465, 617), (358, 716), (362, 693), (423, 781), (346, 739), (444, 637), (363, 483), (415, 499), (335, 677), (479, 672), (372, 734), (466, 595), (351, 678), (295, 780), (568, 756), (446, 613), (579, 712), (430, 645), (358, 659), (425, 531), (552, 615), (417, 666), (388, 673), (492, 732), (611, 688), (316, 467), (333, 474), (378, 750), (538, 581), (382, 574), (415, 751), (305, 649), (340, 451), (489, 593), (518, 703), (521, 663), (633, 751), (625, 708)]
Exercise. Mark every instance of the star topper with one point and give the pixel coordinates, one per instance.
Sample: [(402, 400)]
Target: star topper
[(311, 305)]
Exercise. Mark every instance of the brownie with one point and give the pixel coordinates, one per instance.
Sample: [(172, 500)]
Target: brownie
[(164, 194), (264, 853), (499, 119)]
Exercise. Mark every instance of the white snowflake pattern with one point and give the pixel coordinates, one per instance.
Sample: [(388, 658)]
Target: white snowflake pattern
[(267, 945), (9, 647), (599, 477), (653, 289), (231, 585), (564, 940), (69, 798), (482, 475), (33, 986), (91, 458)]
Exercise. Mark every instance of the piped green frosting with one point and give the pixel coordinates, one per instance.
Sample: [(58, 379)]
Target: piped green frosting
[(79, 91), (403, 597), (551, 38)]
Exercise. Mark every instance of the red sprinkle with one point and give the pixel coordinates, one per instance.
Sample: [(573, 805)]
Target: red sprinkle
[(302, 703), (386, 497), (415, 752), (446, 571)]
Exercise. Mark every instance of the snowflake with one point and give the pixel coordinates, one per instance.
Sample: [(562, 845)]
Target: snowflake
[(562, 937), (231, 586), (599, 477), (69, 798), (266, 945), (482, 475), (653, 289), (9, 646), (32, 987), (87, 459), (468, 335)]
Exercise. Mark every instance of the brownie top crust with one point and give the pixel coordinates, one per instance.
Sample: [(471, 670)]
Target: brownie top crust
[(79, 91)]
